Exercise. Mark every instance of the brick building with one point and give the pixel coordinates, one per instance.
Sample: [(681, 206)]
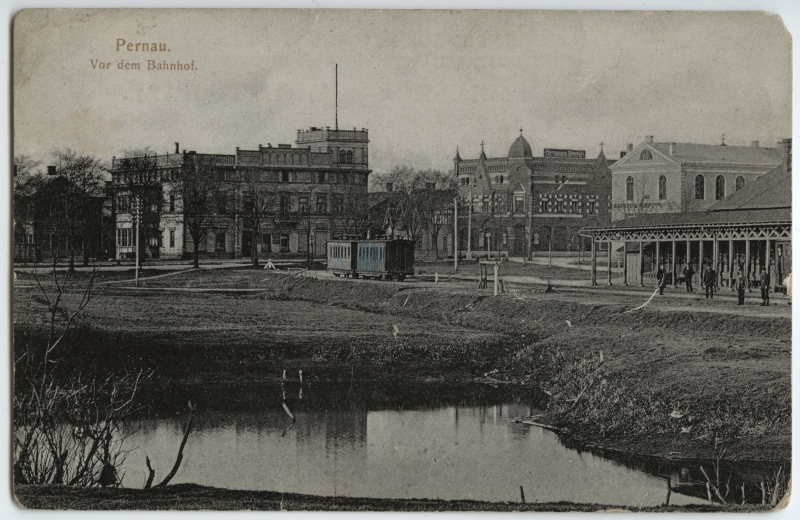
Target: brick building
[(521, 203), (314, 183)]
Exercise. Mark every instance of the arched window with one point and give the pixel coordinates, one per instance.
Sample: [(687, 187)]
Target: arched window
[(342, 156), (739, 183), (629, 188), (720, 184), (662, 188), (700, 187), (349, 157), (645, 155), (519, 199)]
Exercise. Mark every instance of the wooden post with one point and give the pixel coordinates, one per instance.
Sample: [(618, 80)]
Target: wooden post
[(594, 261), (669, 490), (495, 278), (747, 263), (625, 263), (641, 263), (715, 260), (731, 263), (700, 261), (674, 264), (522, 494), (767, 260), (609, 262), (658, 255), (688, 253)]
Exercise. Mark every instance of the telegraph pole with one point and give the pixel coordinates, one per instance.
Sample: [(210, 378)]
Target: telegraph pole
[(469, 227), (138, 217), (455, 233)]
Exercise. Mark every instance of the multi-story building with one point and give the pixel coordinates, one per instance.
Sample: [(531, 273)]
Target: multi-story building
[(315, 184), (521, 203), (661, 177)]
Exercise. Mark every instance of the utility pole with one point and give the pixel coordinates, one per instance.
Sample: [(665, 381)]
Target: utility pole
[(455, 233), (138, 216), (469, 228)]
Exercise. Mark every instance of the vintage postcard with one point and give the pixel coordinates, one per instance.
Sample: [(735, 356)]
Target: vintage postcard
[(401, 260)]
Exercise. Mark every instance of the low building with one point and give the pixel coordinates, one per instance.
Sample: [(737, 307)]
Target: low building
[(314, 184), (749, 229), (520, 203), (668, 177)]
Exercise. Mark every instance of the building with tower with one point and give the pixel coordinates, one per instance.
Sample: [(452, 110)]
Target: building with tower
[(521, 204), (314, 183)]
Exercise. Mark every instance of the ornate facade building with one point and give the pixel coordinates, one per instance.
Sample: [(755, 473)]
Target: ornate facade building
[(314, 183), (521, 203)]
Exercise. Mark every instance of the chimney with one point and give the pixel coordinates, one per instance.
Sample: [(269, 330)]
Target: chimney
[(389, 186), (786, 145), (51, 170), (630, 147), (648, 139), (622, 154), (177, 148), (672, 148), (754, 144)]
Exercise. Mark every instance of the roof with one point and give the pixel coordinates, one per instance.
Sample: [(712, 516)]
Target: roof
[(712, 153), (520, 149), (771, 190), (702, 218)]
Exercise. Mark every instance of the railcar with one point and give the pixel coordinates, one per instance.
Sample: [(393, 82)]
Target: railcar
[(387, 259), (378, 258), (342, 257)]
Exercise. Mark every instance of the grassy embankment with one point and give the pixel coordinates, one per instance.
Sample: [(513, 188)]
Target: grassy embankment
[(670, 382)]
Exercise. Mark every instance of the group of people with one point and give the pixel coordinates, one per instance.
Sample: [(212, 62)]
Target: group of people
[(709, 282)]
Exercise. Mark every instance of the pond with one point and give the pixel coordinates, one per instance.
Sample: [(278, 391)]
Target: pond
[(444, 451)]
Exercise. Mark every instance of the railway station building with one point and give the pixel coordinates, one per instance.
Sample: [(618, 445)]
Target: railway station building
[(749, 228), (314, 182), (520, 203)]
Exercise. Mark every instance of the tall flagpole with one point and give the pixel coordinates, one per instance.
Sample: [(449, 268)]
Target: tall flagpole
[(337, 96)]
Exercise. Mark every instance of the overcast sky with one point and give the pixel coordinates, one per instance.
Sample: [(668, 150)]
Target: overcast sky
[(422, 82)]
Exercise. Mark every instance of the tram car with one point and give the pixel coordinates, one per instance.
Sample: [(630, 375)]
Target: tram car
[(377, 258)]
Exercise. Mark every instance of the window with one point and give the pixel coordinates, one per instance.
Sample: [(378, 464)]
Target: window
[(545, 206), (222, 202), (591, 207), (337, 203), (720, 185), (302, 203), (519, 200), (645, 155), (322, 203), (739, 183), (285, 204), (342, 156), (219, 243), (700, 187), (321, 178), (285, 177), (124, 237), (172, 239), (123, 204), (171, 203), (574, 208), (629, 188), (485, 205), (349, 157), (662, 188), (560, 206)]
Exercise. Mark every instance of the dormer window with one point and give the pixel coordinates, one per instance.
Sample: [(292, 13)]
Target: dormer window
[(645, 155)]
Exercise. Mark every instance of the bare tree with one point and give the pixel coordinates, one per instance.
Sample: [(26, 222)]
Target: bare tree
[(140, 178), (195, 188), (259, 201), (350, 208), (435, 202), (27, 176)]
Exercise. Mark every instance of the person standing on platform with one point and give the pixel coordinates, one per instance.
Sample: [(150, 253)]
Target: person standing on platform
[(688, 273), (741, 285), (709, 279), (764, 282), (661, 275)]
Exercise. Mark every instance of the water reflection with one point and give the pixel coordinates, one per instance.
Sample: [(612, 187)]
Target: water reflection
[(449, 452)]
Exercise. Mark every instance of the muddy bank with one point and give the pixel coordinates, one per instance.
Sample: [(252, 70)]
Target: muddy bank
[(194, 497), (673, 384)]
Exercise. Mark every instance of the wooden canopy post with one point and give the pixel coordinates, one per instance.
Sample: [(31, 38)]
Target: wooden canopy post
[(594, 261), (674, 264), (624, 263), (641, 263), (609, 262)]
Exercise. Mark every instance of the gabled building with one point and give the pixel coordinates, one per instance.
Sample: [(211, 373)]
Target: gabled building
[(668, 177), (521, 203)]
